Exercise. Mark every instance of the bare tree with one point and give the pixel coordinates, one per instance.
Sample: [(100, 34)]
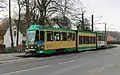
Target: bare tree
[(3, 5), (66, 8), (27, 12), (22, 15), (79, 16), (19, 18), (12, 44), (62, 21), (81, 22), (41, 11), (46, 9), (29, 9), (5, 24)]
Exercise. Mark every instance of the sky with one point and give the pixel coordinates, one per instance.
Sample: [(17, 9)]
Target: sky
[(108, 9)]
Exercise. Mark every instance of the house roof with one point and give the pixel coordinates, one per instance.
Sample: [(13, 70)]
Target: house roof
[(110, 38)]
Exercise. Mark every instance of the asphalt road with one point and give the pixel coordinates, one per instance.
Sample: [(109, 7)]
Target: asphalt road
[(101, 62)]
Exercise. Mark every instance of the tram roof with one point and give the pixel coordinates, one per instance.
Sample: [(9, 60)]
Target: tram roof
[(39, 27), (102, 34)]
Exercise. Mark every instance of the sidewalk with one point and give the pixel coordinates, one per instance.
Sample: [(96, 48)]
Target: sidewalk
[(14, 57), (10, 56)]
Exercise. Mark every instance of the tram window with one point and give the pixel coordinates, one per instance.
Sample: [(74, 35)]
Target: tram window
[(91, 39), (69, 36), (84, 40), (94, 40), (37, 36), (57, 36), (99, 38), (102, 38), (73, 37), (42, 35), (105, 38), (87, 39), (80, 39), (49, 35), (64, 36)]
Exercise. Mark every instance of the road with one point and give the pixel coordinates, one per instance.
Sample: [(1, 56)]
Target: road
[(101, 62)]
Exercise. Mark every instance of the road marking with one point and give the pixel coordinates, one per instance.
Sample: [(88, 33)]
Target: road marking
[(100, 69), (42, 67), (72, 61), (17, 60), (67, 69), (26, 70)]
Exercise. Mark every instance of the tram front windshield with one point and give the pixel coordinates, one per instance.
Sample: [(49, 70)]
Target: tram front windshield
[(31, 35)]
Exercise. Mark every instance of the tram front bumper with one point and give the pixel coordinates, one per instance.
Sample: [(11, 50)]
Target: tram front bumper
[(30, 50)]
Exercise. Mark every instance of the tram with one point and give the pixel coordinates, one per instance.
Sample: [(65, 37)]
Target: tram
[(47, 40)]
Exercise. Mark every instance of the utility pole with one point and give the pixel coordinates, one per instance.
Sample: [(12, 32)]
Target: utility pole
[(92, 21), (18, 23), (105, 28), (82, 21), (12, 44)]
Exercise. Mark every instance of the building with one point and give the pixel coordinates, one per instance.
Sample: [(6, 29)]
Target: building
[(7, 38), (2, 32), (110, 38)]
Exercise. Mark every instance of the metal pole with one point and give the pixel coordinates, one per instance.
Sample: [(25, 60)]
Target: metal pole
[(12, 44), (105, 28), (92, 23), (106, 32), (82, 21)]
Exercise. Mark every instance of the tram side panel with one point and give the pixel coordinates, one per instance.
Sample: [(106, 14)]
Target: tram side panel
[(86, 41), (101, 40), (59, 41)]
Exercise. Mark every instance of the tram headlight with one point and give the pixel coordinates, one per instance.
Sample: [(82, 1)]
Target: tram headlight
[(26, 46), (35, 47), (31, 46), (42, 47)]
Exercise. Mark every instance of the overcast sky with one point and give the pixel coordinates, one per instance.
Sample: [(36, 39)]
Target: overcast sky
[(109, 9)]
